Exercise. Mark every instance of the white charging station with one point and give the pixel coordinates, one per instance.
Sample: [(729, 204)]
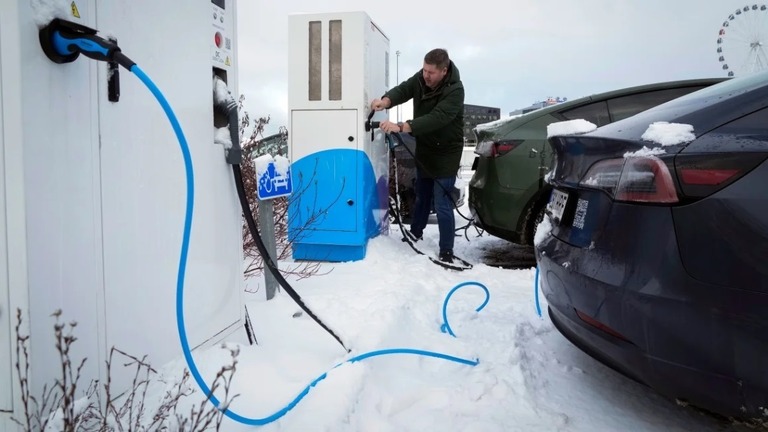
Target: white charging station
[(338, 63), (92, 195)]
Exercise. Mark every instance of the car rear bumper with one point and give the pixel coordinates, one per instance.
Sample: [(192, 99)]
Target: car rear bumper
[(644, 316), (497, 211), (483, 218)]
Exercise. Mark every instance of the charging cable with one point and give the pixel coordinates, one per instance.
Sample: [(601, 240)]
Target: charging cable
[(63, 41)]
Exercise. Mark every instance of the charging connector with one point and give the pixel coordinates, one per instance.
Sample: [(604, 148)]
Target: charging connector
[(225, 104), (371, 125), (63, 41)]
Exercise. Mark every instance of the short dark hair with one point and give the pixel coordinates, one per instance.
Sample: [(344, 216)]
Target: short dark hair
[(438, 57)]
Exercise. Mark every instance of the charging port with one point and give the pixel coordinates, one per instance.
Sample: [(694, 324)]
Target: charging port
[(220, 119)]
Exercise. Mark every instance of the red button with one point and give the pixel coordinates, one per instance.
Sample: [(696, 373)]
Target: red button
[(217, 39)]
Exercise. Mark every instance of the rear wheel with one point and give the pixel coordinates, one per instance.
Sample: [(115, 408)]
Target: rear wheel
[(535, 216)]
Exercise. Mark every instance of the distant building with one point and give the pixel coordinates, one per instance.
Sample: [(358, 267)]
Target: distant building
[(475, 115), (538, 105)]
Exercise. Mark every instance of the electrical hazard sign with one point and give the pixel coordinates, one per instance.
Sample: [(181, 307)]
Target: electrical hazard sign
[(221, 58), (75, 12)]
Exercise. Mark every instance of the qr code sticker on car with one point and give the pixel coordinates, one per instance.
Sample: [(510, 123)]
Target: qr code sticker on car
[(581, 213)]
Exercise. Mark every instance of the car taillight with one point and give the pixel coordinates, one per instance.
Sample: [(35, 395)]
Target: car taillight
[(604, 175), (496, 148), (701, 175), (642, 179)]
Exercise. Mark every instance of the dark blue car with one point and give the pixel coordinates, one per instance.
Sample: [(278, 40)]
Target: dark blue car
[(657, 259)]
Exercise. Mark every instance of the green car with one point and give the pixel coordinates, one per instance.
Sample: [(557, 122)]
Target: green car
[(507, 193)]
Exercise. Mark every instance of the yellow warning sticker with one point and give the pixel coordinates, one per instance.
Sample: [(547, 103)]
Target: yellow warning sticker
[(75, 12), (226, 62)]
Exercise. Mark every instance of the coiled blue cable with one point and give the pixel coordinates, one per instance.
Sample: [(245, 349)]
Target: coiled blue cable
[(190, 180), (446, 328)]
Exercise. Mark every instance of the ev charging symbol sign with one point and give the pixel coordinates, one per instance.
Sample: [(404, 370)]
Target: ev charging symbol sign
[(274, 177)]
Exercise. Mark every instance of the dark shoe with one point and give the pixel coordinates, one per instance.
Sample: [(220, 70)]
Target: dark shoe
[(413, 237), (446, 256)]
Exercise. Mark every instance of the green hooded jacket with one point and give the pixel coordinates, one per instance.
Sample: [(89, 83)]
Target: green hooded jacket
[(438, 121)]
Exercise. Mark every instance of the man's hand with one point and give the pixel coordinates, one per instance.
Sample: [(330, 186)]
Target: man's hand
[(389, 127), (380, 104)]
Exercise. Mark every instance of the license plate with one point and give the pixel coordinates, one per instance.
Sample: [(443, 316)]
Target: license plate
[(557, 203)]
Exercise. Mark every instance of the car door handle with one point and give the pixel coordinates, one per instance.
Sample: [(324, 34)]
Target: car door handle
[(533, 153)]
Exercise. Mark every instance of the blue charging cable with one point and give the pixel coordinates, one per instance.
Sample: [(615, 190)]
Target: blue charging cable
[(180, 287), (536, 291), (62, 41), (446, 328), (182, 271)]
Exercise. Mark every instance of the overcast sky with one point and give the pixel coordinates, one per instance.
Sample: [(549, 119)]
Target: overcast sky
[(510, 53)]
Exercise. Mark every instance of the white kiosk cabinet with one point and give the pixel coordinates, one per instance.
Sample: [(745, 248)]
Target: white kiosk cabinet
[(338, 63), (92, 189)]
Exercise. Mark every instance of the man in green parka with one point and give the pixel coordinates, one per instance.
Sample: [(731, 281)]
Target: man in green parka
[(438, 126)]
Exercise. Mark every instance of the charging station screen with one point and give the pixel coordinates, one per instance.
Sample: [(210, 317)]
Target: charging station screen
[(219, 3)]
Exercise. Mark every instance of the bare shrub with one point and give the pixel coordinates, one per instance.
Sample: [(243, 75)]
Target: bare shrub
[(100, 407), (253, 146)]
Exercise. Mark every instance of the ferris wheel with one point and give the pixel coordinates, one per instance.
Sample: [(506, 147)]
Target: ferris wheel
[(743, 39)]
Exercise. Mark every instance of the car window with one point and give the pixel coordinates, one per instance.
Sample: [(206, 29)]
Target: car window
[(627, 106), (596, 113)]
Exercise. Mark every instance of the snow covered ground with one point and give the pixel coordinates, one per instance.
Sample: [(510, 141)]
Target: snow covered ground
[(529, 378)]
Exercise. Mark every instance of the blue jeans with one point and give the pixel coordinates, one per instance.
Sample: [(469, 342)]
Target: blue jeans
[(440, 188)]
